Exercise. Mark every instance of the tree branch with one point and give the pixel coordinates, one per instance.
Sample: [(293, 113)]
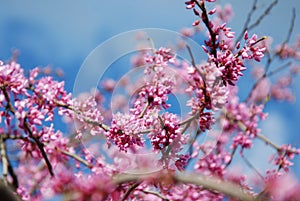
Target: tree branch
[(4, 160), (129, 190), (205, 20), (248, 20), (86, 119), (76, 157), (265, 13), (40, 146), (213, 184)]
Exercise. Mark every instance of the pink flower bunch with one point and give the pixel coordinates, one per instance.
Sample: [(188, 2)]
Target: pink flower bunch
[(86, 116), (206, 120), (210, 92), (251, 50), (32, 103), (285, 51), (219, 45), (280, 90), (79, 185), (125, 131), (284, 156), (158, 83), (161, 58), (12, 79), (166, 132), (213, 164), (244, 119)]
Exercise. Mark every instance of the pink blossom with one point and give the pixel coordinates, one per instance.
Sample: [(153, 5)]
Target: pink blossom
[(124, 131)]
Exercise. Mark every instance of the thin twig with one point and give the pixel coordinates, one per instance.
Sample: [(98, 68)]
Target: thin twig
[(259, 136), (191, 55), (152, 44), (268, 142), (189, 119), (76, 157), (155, 193), (129, 190), (263, 77), (253, 168), (262, 16), (86, 119), (205, 20), (280, 68), (40, 146), (144, 110), (248, 20), (290, 31), (231, 156)]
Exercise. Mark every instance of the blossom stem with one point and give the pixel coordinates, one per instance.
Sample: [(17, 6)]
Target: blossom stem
[(144, 110), (40, 146), (129, 190), (155, 193), (254, 7), (86, 119), (189, 119), (263, 15), (205, 19), (76, 157)]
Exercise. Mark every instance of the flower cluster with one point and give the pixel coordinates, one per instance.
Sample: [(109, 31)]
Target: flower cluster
[(284, 156), (244, 119), (285, 51), (167, 131), (280, 89), (125, 131)]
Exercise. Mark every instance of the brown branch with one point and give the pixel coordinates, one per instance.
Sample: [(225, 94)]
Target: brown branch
[(4, 160), (231, 156), (205, 20), (129, 190), (144, 110), (76, 157), (213, 184), (7, 194), (12, 173), (40, 147)]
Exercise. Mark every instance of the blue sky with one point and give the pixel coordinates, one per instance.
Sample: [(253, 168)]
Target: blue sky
[(63, 33)]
